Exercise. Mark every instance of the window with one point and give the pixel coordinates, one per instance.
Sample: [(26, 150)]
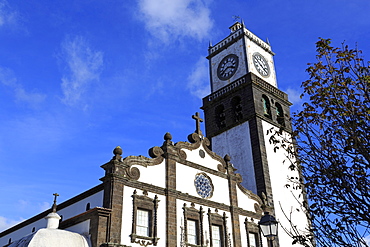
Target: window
[(237, 108), (253, 239), (266, 106), (142, 223), (217, 229), (144, 220), (193, 226), (220, 116), (279, 114), (192, 232), (252, 230), (216, 236)]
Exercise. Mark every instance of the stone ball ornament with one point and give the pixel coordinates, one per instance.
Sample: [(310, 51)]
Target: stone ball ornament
[(203, 185)]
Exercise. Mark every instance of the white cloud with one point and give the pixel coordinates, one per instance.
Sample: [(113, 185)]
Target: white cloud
[(8, 79), (171, 19), (23, 205), (84, 66), (198, 81), (6, 223), (7, 15), (294, 96)]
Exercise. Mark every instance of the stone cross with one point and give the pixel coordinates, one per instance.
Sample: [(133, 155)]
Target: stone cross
[(54, 208), (198, 120)]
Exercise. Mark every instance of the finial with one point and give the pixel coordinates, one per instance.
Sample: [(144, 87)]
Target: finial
[(54, 207), (227, 158), (267, 41), (117, 150), (117, 153), (243, 25), (167, 136), (198, 120), (210, 44)]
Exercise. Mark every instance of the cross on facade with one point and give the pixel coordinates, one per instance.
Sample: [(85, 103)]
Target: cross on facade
[(198, 120)]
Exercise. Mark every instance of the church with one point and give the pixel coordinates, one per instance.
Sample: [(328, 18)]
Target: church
[(211, 190)]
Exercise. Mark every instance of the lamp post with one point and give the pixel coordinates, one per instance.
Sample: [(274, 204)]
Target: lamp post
[(268, 226)]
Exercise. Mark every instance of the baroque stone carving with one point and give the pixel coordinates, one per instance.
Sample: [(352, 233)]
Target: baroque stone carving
[(132, 172), (182, 154), (221, 168)]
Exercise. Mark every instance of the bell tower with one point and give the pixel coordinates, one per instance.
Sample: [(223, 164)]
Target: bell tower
[(243, 106), (244, 103)]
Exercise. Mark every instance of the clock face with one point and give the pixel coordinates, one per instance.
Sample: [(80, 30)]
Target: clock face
[(203, 185), (261, 64), (227, 67)]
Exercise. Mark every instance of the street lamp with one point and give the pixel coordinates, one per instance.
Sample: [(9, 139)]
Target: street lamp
[(268, 226)]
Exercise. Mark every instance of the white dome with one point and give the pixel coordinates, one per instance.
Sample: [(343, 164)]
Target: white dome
[(52, 238)]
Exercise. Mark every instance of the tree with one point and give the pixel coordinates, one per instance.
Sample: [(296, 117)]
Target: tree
[(332, 140)]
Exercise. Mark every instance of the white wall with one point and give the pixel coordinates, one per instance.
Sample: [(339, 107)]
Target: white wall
[(82, 228), (251, 49), (237, 49), (236, 143), (95, 200), (285, 201), (207, 161), (185, 177), (146, 174)]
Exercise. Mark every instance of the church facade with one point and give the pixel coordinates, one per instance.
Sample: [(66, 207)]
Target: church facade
[(184, 195), (209, 191)]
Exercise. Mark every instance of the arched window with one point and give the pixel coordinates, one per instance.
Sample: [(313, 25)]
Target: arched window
[(33, 229), (88, 206), (237, 108), (220, 116), (279, 114), (266, 106)]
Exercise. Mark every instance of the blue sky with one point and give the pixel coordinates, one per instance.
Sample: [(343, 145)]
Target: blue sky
[(78, 78)]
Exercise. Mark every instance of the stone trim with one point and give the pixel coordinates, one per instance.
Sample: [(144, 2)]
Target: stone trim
[(249, 193), (261, 168), (245, 80), (123, 167), (113, 245), (221, 221), (233, 37), (151, 205), (252, 227), (206, 169), (197, 141), (191, 213)]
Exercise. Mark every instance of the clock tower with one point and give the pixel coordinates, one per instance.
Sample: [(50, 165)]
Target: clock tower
[(237, 55), (243, 106)]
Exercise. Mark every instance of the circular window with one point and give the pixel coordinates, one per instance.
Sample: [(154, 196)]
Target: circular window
[(203, 185)]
